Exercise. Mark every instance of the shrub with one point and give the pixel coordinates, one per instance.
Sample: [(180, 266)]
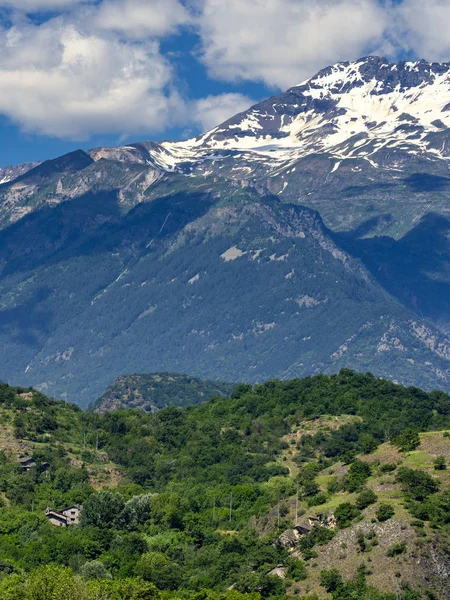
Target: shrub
[(318, 499), (345, 513), (397, 549), (358, 473), (365, 499), (417, 484), (440, 464), (388, 468), (385, 512), (331, 580), (407, 441)]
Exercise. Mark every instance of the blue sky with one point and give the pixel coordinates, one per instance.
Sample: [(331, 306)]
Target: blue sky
[(84, 73)]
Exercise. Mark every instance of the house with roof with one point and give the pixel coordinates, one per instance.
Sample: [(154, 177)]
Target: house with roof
[(27, 463), (56, 518), (65, 517)]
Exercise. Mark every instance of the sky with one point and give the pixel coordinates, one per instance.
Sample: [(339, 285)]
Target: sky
[(87, 73)]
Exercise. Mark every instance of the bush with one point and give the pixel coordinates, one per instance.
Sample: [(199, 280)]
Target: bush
[(345, 513), (397, 549), (388, 468), (440, 464), (407, 441), (358, 473), (365, 499), (385, 512), (417, 484), (331, 580), (318, 499)]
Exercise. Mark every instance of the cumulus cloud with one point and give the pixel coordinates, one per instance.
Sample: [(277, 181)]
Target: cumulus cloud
[(214, 110), (281, 42), (98, 67), (141, 18), (60, 81), (423, 28), (31, 6)]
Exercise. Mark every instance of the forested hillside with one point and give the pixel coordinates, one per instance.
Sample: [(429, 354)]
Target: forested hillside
[(151, 392), (200, 503)]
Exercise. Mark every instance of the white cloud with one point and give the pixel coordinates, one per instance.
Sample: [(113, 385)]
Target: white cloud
[(281, 42), (214, 110), (32, 6), (424, 28), (99, 69), (141, 18), (58, 80)]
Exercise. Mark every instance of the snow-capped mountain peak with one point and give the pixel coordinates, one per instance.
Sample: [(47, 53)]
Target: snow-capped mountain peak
[(348, 110)]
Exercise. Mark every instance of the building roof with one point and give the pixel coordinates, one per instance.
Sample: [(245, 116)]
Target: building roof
[(56, 515), (26, 459)]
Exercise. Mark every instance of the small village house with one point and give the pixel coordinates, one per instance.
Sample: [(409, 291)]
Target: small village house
[(65, 517)]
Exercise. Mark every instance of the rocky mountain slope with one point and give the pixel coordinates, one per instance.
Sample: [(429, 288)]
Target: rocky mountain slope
[(152, 392), (306, 234)]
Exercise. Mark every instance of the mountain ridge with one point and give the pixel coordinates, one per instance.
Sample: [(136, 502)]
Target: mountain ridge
[(290, 240)]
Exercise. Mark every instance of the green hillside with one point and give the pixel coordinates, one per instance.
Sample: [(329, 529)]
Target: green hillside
[(198, 502), (152, 392)]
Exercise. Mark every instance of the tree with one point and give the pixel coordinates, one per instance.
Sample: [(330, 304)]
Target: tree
[(345, 513), (385, 512), (358, 473), (12, 587), (137, 510), (54, 581), (104, 510), (125, 589), (365, 499), (417, 484), (157, 568), (408, 440), (94, 570), (331, 580)]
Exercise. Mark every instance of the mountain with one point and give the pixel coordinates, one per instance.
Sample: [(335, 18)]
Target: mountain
[(152, 392), (11, 172), (304, 235), (287, 489)]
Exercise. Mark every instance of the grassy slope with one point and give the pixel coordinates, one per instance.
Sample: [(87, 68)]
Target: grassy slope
[(386, 573)]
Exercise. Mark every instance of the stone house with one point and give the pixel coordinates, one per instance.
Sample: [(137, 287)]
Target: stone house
[(56, 518), (27, 463), (290, 537), (67, 516)]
